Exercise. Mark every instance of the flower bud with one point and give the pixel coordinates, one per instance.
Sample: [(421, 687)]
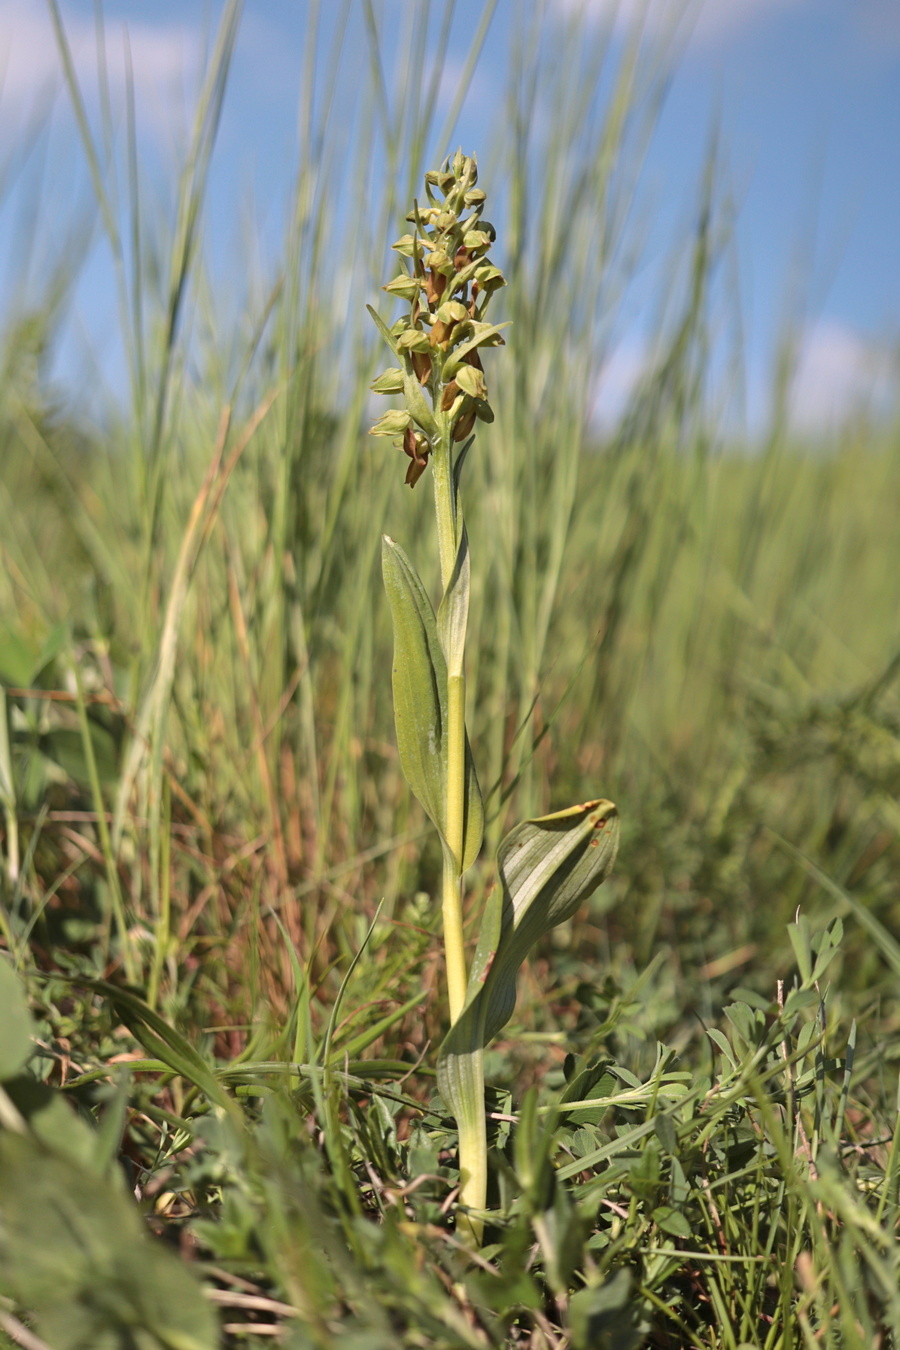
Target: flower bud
[(489, 278), (475, 197), (406, 287), (450, 395), (440, 334), (435, 285), (439, 260), (470, 381), (418, 450), (477, 241), (440, 179), (393, 423), (405, 245), (464, 425), (421, 364), (414, 340), (388, 382), (452, 312), (427, 215)]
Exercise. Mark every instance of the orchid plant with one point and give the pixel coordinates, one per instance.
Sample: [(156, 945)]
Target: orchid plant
[(546, 867)]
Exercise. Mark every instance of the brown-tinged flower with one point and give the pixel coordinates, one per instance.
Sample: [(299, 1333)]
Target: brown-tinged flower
[(418, 449)]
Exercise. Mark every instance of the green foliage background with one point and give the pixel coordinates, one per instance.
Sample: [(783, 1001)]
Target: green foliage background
[(202, 797)]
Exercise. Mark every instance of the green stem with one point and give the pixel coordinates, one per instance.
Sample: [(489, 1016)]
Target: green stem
[(471, 1123), (444, 504), (454, 947), (455, 786), (456, 766), (472, 1130), (457, 976)]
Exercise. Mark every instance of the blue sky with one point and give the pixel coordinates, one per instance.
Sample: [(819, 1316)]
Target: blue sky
[(807, 93)]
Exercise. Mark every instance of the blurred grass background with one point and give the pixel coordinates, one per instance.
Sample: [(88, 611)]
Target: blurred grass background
[(195, 645), (197, 753)]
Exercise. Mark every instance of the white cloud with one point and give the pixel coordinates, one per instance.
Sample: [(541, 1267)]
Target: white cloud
[(840, 373), (162, 56), (709, 23)]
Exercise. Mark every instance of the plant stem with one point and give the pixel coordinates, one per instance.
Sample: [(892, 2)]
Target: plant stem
[(447, 526), (471, 1122), (454, 948), (472, 1132), (444, 502), (456, 766)]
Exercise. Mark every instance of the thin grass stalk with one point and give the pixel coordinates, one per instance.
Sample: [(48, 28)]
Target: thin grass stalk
[(130, 956)]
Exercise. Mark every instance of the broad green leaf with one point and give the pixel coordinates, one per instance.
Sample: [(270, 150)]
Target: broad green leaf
[(54, 1121), (75, 1251), (16, 658), (420, 700), (65, 747), (600, 1315), (15, 1023), (547, 867)]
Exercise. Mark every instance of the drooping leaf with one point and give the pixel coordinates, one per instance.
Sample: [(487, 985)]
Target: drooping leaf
[(421, 700), (546, 867), (162, 1041)]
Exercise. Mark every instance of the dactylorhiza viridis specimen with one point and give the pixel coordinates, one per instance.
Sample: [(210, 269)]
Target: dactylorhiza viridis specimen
[(546, 867)]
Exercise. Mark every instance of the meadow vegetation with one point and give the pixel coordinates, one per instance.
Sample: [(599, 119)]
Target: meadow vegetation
[(222, 901)]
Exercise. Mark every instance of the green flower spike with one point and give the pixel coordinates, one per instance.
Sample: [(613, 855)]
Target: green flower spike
[(548, 866)]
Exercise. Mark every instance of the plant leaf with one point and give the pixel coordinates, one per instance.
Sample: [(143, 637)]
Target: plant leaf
[(384, 330), (547, 867), (487, 336), (16, 1027), (420, 700), (74, 1249), (416, 400), (160, 1040), (453, 611)]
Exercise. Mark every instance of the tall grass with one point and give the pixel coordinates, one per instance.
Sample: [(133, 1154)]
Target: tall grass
[(198, 773)]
